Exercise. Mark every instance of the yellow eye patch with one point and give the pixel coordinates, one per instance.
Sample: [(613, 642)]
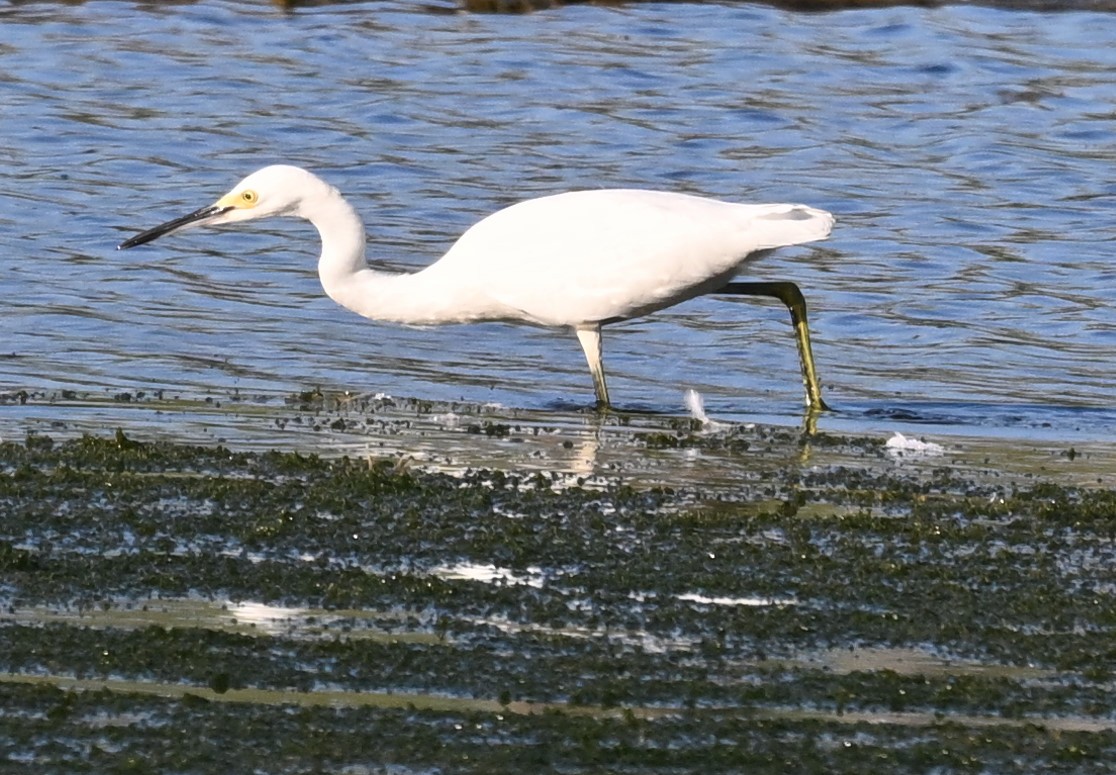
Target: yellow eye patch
[(243, 200)]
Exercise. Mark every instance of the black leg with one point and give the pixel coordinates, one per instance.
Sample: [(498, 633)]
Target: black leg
[(791, 296)]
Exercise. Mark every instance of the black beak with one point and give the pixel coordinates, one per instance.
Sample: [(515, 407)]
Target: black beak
[(195, 217)]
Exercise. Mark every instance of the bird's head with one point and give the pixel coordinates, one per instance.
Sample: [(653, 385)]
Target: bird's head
[(276, 190)]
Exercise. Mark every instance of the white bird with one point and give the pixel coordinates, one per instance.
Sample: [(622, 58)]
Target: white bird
[(578, 260)]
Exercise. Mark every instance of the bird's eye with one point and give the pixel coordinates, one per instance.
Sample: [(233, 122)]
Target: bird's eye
[(248, 197)]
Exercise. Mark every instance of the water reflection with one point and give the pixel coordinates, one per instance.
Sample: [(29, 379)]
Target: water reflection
[(271, 619)]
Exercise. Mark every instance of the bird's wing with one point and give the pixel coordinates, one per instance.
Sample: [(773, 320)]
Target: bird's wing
[(592, 256)]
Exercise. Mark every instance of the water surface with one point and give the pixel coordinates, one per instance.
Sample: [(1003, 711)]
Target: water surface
[(967, 152)]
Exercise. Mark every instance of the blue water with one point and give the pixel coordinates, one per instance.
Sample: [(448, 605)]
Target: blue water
[(968, 153)]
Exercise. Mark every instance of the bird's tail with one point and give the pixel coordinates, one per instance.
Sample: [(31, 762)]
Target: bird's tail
[(786, 224)]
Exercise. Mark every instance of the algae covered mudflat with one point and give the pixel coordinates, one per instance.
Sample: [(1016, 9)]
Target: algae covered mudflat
[(812, 605)]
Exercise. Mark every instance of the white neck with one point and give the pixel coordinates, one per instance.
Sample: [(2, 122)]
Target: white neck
[(421, 298)]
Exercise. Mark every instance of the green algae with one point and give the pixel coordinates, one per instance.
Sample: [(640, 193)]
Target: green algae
[(696, 603), (128, 732)]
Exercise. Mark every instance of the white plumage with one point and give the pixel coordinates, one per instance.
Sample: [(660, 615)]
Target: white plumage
[(579, 259)]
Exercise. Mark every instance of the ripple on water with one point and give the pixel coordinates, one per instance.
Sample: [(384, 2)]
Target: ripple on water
[(958, 146)]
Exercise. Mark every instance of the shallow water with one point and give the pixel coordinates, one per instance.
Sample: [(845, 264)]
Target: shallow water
[(967, 153)]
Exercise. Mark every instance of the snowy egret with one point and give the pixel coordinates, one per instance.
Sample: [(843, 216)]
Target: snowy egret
[(580, 259)]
